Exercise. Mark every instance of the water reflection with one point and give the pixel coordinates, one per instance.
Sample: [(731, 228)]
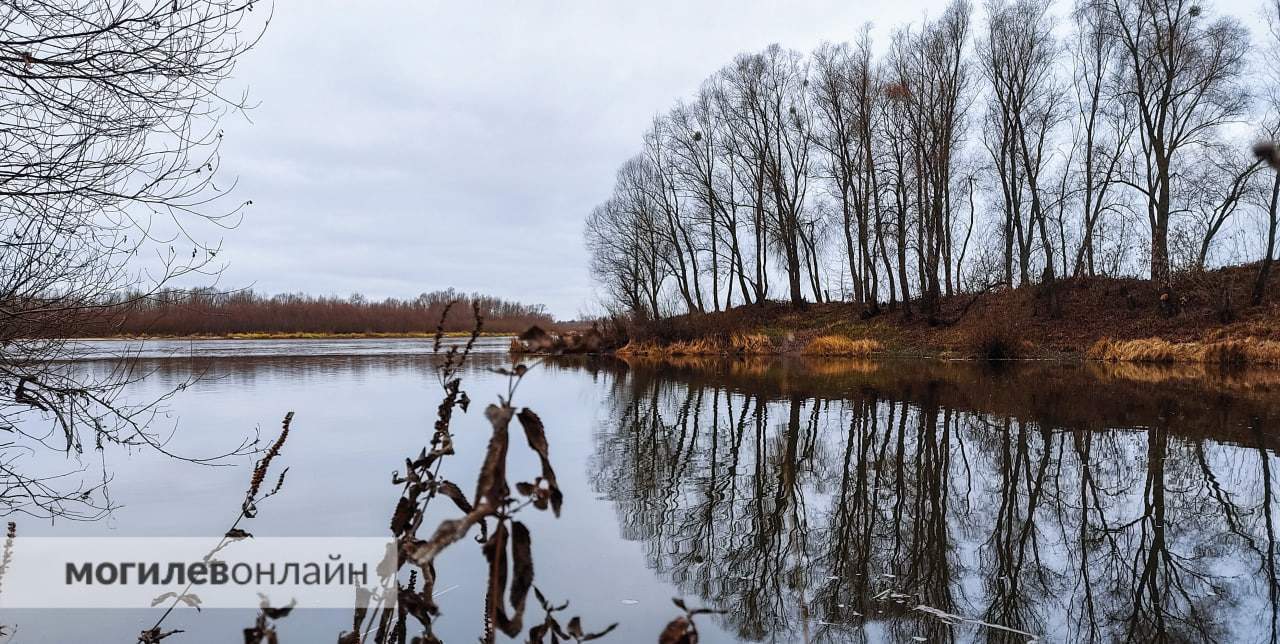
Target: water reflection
[(869, 502)]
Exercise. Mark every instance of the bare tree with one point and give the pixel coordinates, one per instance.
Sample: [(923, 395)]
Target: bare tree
[(1079, 149), (1219, 182), (1271, 130), (785, 108), (1181, 78), (663, 184), (848, 101), (1101, 127), (743, 103), (108, 151), (630, 252), (931, 82), (1018, 57)]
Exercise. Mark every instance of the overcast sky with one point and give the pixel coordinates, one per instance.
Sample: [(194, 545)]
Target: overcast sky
[(405, 146)]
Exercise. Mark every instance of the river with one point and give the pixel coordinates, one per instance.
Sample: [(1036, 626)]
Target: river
[(827, 500)]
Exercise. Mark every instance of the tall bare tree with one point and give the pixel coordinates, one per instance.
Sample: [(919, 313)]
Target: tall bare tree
[(1270, 204), (1018, 58), (1101, 127), (1182, 80), (931, 79), (848, 102)]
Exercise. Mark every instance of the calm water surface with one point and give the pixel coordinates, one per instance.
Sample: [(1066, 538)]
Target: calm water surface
[(812, 500)]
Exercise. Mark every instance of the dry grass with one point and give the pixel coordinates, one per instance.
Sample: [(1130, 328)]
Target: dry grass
[(752, 344), (1236, 351), (745, 344), (1144, 350), (699, 347), (839, 345), (516, 346), (639, 349)]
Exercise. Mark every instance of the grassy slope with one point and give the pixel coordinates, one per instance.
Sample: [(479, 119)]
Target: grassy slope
[(1019, 321)]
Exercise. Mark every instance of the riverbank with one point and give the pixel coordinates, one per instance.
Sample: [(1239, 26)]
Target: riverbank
[(300, 336), (1206, 319)]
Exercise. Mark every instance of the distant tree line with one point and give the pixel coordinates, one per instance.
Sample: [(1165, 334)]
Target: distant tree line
[(968, 154), (209, 312)]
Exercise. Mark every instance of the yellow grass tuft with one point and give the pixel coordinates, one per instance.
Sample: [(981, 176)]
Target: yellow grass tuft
[(751, 344), (1235, 351), (642, 349), (700, 347), (838, 345)]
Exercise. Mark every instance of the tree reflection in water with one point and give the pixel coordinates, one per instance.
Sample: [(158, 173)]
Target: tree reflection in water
[(831, 501)]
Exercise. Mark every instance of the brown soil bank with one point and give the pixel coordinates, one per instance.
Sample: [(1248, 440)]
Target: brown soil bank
[(1206, 319)]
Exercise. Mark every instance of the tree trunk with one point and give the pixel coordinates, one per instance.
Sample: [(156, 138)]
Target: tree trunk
[(1264, 270)]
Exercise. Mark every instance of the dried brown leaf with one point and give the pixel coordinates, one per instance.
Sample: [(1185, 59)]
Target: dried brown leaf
[(599, 634), (537, 437), (522, 565), (451, 490), (491, 487), (403, 516)]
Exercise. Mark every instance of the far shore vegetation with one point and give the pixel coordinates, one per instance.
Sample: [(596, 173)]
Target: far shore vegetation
[(299, 335), (245, 315)]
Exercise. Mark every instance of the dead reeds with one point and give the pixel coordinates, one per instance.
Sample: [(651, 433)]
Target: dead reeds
[(749, 344), (1240, 351), (841, 346)]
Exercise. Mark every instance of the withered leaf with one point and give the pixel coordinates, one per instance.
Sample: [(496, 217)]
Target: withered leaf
[(451, 490), (279, 482), (538, 633), (495, 552), (522, 565), (537, 437), (491, 486), (237, 533), (599, 634), (420, 605), (275, 613), (402, 516)]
